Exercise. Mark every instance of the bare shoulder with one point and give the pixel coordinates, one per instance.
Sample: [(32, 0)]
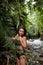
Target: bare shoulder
[(24, 37)]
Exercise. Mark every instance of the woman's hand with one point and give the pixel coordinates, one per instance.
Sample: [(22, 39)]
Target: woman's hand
[(23, 42), (20, 38), (15, 38)]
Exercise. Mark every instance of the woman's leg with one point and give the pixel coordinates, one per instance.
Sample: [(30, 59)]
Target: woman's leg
[(23, 60), (18, 61)]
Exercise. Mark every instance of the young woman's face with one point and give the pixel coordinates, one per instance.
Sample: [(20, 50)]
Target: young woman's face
[(21, 32)]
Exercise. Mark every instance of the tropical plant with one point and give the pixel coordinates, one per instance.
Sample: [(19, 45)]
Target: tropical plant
[(14, 13)]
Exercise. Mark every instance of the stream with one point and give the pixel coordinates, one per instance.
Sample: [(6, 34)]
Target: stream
[(36, 48)]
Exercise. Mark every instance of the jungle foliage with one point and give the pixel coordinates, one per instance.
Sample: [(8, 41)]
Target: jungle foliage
[(14, 13)]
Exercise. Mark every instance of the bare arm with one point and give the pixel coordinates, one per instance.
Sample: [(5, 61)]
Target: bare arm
[(15, 38), (24, 42)]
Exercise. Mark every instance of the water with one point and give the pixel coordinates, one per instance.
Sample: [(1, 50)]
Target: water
[(37, 50)]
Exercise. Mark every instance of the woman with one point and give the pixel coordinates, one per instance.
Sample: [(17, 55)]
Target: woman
[(21, 58)]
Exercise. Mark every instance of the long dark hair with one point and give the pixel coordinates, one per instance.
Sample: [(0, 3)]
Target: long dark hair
[(22, 27)]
